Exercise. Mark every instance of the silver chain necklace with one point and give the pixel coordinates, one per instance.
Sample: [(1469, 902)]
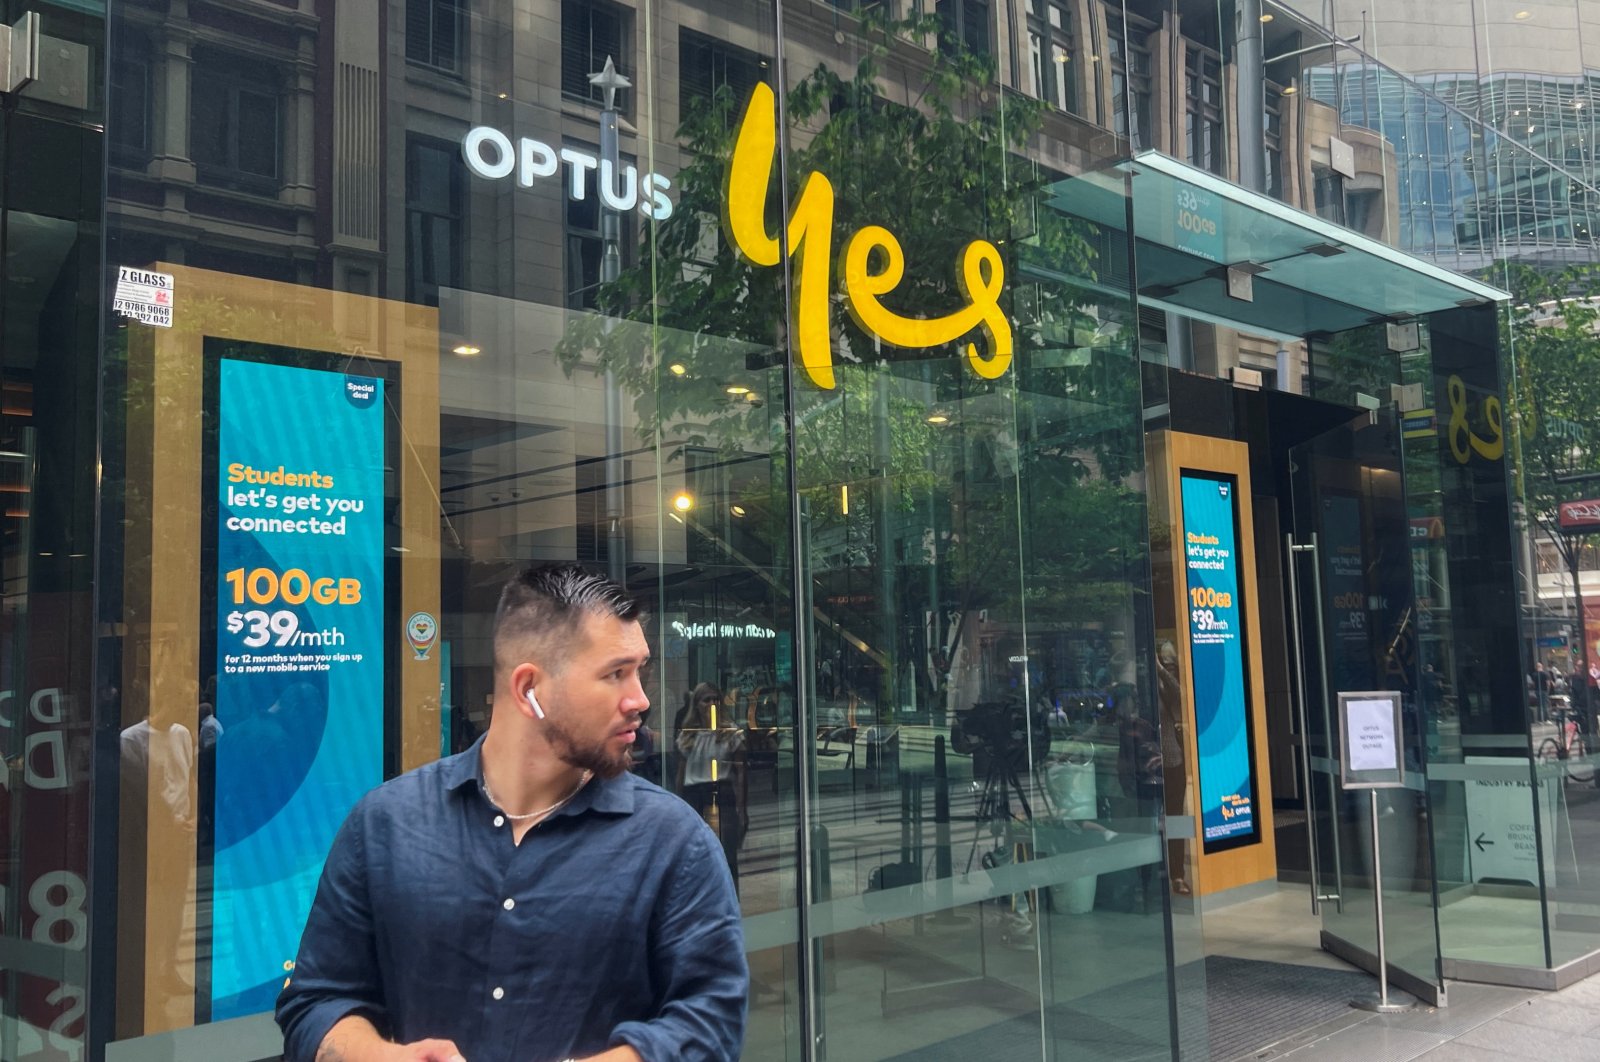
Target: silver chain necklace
[(552, 809)]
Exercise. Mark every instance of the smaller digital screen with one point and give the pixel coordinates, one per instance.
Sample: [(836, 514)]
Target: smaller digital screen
[(1216, 640)]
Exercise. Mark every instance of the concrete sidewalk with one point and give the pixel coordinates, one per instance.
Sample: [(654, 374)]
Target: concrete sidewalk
[(1483, 1023)]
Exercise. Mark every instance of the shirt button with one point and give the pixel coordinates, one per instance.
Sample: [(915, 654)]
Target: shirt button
[(499, 820), (499, 993), (509, 904)]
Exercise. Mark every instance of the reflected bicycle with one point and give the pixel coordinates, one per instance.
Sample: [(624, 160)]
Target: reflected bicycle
[(1569, 748)]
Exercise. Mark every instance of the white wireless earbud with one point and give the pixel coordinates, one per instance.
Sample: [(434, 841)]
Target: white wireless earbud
[(533, 702)]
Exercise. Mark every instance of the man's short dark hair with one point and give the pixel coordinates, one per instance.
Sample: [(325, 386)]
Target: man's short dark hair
[(541, 609)]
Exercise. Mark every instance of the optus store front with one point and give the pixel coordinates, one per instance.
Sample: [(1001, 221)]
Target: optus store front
[(456, 291), (817, 329)]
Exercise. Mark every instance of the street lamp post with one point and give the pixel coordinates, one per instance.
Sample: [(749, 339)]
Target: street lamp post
[(608, 81)]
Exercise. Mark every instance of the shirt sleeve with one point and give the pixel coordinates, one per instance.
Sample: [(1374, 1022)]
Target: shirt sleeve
[(697, 959), (336, 973)]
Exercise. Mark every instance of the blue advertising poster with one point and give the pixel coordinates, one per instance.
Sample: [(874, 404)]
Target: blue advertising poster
[(300, 668), (1216, 638)]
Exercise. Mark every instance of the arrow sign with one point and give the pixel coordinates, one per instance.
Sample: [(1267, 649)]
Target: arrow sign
[(1481, 843)]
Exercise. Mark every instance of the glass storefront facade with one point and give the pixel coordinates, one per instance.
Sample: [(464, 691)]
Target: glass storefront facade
[(878, 348)]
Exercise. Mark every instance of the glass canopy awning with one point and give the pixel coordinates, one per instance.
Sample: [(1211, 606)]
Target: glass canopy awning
[(1307, 275)]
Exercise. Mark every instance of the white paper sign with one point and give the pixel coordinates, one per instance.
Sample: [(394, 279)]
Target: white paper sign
[(144, 296), (1372, 744)]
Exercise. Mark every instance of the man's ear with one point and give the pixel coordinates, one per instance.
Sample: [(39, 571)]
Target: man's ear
[(524, 680)]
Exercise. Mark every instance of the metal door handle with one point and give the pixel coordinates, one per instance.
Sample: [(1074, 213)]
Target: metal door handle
[(1337, 896), (1303, 720)]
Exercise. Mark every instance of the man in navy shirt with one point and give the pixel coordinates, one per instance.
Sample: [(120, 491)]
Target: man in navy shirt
[(528, 900)]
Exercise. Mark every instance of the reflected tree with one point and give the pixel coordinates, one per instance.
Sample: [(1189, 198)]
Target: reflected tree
[(930, 491)]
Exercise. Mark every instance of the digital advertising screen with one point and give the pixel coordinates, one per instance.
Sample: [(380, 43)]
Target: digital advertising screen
[(297, 736), (1217, 650)]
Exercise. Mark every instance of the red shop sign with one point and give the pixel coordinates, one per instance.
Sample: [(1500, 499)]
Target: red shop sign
[(1580, 515)]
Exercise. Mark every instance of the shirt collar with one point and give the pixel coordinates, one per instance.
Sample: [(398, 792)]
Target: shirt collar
[(464, 768), (614, 796)]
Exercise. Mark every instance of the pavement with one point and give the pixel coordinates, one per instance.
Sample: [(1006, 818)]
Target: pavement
[(1483, 1023)]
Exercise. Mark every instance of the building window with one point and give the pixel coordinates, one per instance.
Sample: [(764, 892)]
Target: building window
[(434, 219), (965, 26), (1274, 142), (1329, 191), (128, 103), (1203, 116), (707, 65), (436, 34), (234, 132), (585, 241), (1130, 80), (591, 30), (1051, 50)]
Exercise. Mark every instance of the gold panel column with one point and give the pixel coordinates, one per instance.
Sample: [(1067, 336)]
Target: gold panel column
[(1169, 455), (164, 491)]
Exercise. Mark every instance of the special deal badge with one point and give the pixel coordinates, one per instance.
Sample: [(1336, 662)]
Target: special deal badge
[(422, 630)]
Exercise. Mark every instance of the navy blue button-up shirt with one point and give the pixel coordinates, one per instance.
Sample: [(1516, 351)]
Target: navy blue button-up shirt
[(614, 922)]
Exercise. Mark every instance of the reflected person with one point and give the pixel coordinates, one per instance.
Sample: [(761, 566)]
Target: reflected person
[(1175, 778), (711, 768)]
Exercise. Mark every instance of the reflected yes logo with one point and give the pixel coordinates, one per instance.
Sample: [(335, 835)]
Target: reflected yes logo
[(980, 272)]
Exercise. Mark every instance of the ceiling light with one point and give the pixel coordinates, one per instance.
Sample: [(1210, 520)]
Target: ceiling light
[(737, 510), (736, 389), (1523, 14), (683, 501), (938, 418), (1290, 90), (1061, 57), (1267, 17), (467, 350), (677, 369), (505, 95)]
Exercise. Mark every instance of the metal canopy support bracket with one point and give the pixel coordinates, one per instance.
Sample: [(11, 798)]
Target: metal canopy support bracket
[(19, 53)]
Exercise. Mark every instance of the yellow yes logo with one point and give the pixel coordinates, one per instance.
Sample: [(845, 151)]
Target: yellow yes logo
[(810, 244), (1463, 441)]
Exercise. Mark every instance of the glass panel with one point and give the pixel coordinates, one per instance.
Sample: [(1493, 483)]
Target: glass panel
[(984, 793), (1357, 623), (568, 364), (50, 217)]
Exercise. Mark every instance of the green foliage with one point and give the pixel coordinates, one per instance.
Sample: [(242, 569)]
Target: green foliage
[(1031, 475), (1550, 336)]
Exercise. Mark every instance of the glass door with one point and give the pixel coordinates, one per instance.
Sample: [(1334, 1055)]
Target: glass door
[(1353, 606)]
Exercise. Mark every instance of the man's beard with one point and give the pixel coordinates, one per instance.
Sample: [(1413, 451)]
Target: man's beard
[(594, 757)]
